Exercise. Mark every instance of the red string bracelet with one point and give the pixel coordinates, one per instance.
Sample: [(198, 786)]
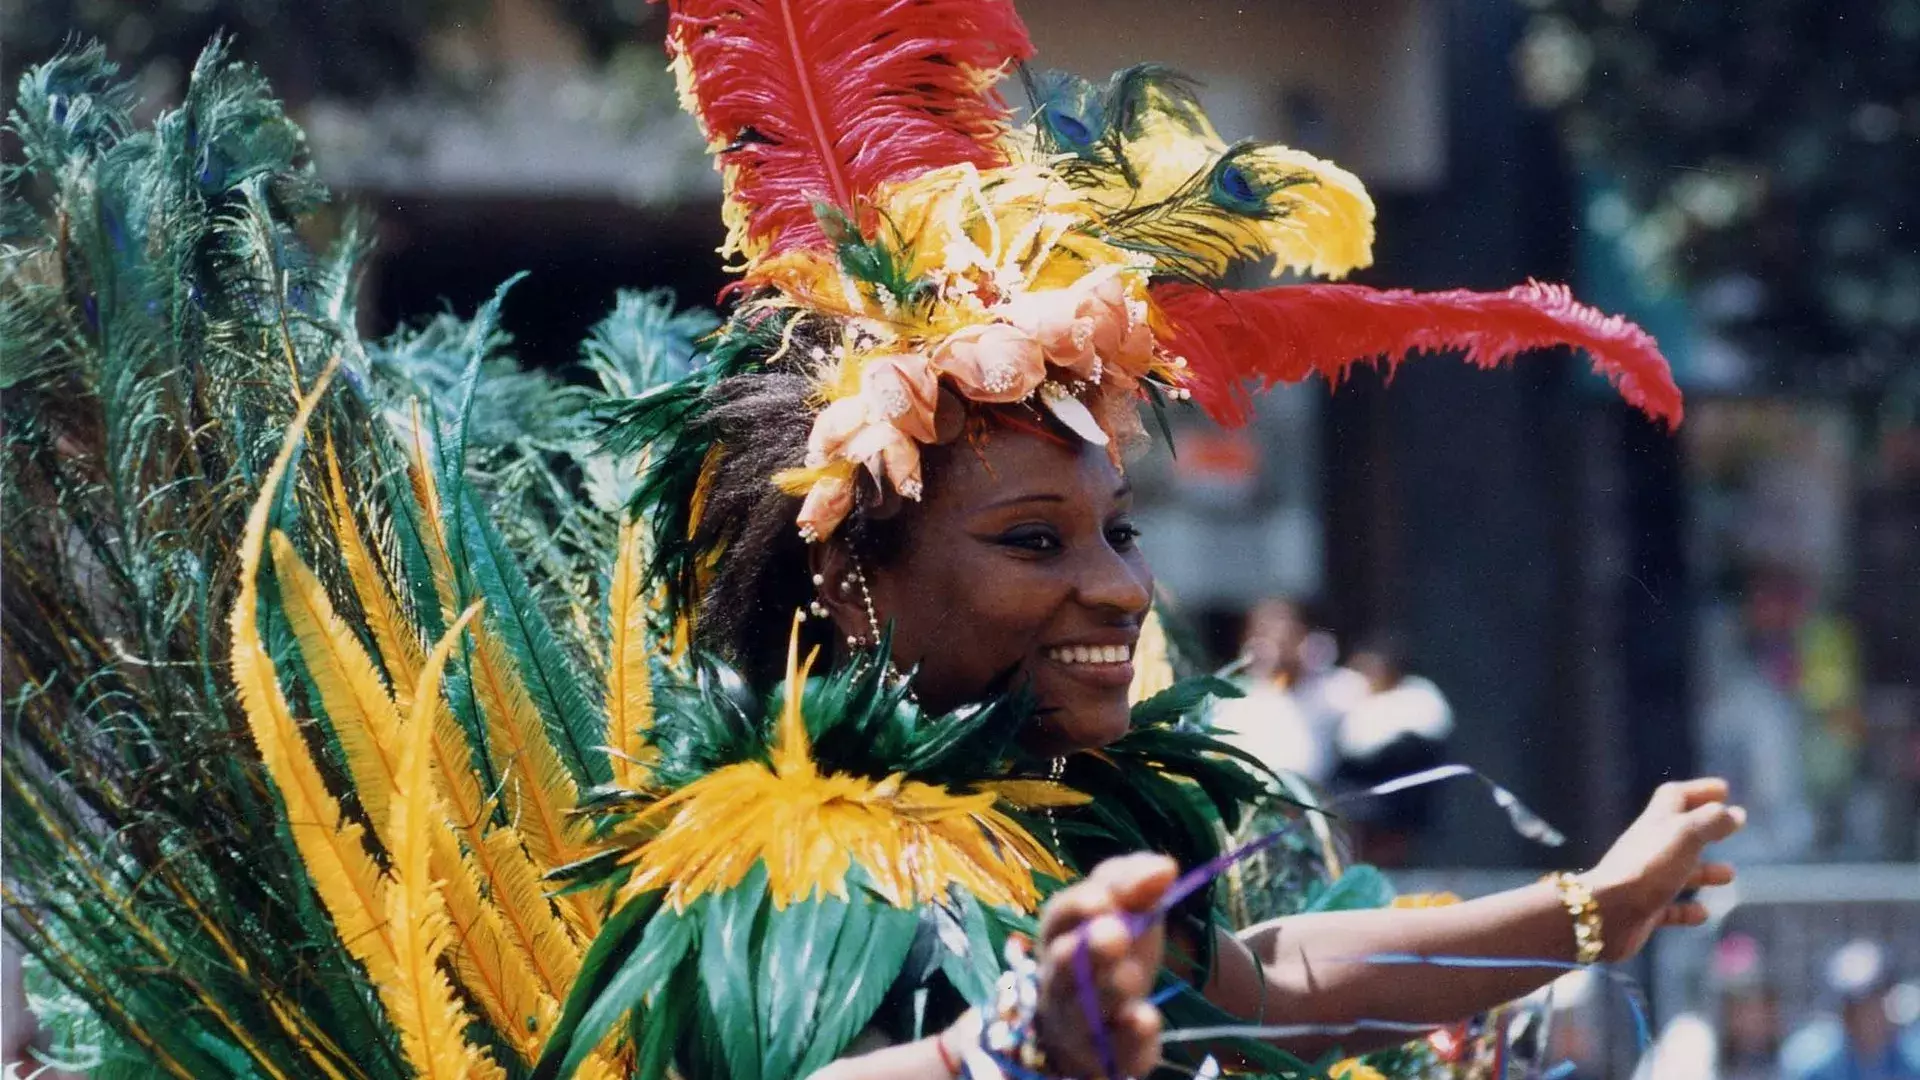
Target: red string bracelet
[(946, 1056)]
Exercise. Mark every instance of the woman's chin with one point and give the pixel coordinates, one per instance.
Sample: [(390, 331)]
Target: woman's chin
[(1083, 725)]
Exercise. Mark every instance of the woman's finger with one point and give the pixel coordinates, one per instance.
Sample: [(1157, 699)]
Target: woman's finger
[(1136, 882), (1710, 874), (1713, 821), (1073, 906), (1691, 913), (1138, 1038)]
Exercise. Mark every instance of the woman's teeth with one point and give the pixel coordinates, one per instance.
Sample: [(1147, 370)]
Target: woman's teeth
[(1091, 654)]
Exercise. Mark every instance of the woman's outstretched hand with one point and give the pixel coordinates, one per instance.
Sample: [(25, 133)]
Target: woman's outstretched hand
[(1123, 967), (1640, 882)]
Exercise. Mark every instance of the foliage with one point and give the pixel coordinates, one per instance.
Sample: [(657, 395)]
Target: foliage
[(1763, 153)]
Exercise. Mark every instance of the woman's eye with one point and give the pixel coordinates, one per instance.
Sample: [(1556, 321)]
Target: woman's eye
[(1032, 540), (1123, 537)]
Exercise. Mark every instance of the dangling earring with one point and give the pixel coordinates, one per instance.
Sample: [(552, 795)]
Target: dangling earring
[(814, 607), (858, 576)]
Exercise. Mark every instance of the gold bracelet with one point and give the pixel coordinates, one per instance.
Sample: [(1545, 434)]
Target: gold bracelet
[(1579, 902)]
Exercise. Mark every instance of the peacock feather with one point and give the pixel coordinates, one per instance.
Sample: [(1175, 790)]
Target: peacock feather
[(1166, 184)]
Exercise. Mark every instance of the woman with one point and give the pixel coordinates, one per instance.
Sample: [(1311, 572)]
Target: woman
[(1020, 560)]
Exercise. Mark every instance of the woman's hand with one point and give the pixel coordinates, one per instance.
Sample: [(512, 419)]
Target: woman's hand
[(1123, 967), (1640, 881)]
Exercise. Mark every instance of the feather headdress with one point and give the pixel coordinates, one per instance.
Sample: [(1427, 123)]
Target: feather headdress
[(1065, 264)]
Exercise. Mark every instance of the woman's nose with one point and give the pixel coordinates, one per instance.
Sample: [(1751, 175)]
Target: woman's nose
[(1113, 583)]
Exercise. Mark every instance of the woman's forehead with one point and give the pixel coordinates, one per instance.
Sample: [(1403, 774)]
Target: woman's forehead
[(1009, 465)]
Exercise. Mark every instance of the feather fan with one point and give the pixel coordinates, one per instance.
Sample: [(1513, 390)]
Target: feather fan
[(344, 875), (820, 101), (629, 672), (1237, 342)]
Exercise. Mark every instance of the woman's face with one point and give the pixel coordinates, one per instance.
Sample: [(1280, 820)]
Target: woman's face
[(1021, 566)]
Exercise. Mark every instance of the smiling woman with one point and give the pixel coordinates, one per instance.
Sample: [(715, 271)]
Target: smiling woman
[(856, 780)]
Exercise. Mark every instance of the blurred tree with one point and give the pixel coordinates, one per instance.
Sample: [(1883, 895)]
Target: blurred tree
[(349, 50), (336, 48), (1761, 157)]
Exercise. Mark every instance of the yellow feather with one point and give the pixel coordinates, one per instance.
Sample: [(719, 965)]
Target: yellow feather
[(368, 726), (426, 496), (419, 1000), (510, 881), (515, 886), (1036, 794), (344, 876), (1152, 662), (1317, 217), (489, 966), (538, 791), (914, 840), (392, 635), (356, 704), (629, 675)]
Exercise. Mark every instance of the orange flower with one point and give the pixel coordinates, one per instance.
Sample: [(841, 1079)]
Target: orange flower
[(887, 452), (1053, 319), (836, 424), (904, 390), (827, 504), (992, 362)]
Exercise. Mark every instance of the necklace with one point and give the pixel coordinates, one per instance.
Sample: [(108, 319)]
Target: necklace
[(1055, 770)]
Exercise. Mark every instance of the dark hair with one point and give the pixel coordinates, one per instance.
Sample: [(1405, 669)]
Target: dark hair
[(760, 573)]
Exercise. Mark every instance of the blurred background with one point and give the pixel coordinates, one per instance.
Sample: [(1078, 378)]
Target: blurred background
[(1511, 569)]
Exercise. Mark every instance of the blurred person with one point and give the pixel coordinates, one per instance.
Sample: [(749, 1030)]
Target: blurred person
[(1399, 725), (1735, 1036), (1295, 692), (1865, 1040)]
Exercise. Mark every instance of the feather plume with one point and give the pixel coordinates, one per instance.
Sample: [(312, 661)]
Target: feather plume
[(488, 965), (629, 670), (528, 922), (367, 725), (1152, 660), (420, 1000), (344, 876), (535, 787), (1234, 342), (1254, 203), (820, 101), (358, 709), (1144, 152), (515, 885), (393, 636)]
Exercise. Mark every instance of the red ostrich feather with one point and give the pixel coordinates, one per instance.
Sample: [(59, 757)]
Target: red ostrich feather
[(822, 100), (1236, 342)]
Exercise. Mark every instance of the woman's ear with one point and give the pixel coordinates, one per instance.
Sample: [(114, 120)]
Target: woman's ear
[(837, 588)]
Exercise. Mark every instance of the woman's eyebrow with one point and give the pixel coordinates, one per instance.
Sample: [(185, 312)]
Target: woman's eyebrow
[(1015, 500)]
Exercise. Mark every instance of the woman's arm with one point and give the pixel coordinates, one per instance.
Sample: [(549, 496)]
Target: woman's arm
[(1313, 969), (933, 1058)]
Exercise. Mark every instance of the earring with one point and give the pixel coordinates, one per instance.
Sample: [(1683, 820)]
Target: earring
[(814, 607), (858, 576)]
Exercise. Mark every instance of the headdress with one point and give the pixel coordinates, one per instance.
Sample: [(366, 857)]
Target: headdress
[(877, 187)]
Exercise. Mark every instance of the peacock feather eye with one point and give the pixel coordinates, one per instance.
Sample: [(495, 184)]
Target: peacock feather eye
[(1235, 188), (1069, 129)]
